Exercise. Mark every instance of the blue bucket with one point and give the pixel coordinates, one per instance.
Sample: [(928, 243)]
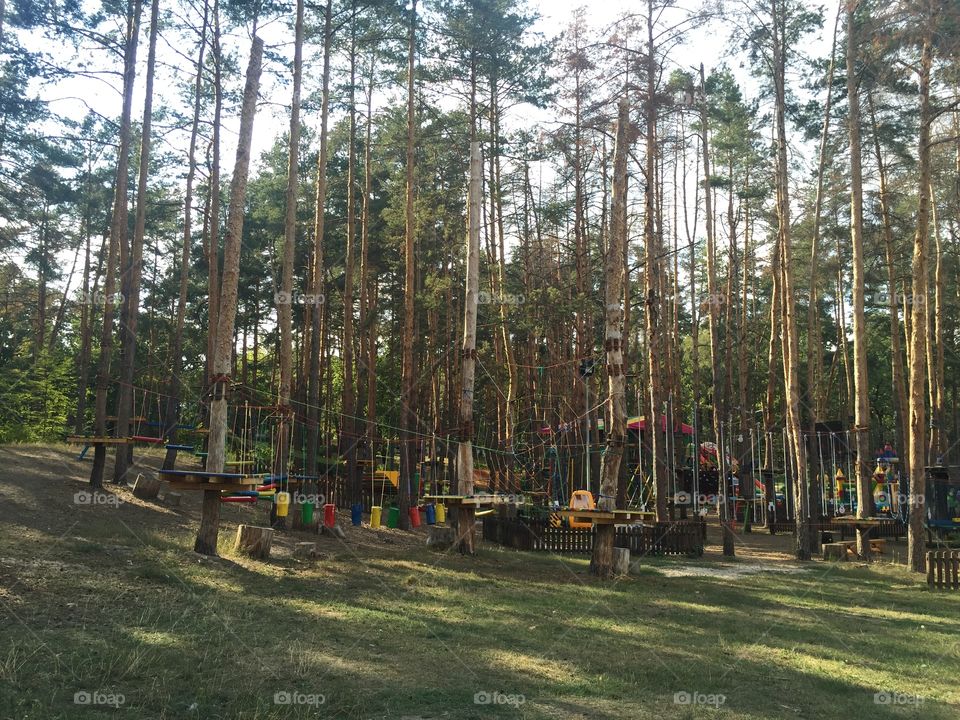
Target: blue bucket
[(356, 513), (431, 514)]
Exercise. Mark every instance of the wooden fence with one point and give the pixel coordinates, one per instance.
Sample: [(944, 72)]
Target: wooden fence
[(943, 569), (684, 537), (888, 528)]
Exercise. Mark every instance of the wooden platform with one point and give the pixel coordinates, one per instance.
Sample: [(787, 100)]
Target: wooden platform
[(608, 517), (96, 440), (859, 522), (198, 480), (474, 500)]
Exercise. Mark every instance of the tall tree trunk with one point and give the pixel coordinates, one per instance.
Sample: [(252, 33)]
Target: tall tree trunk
[(790, 334), (601, 564), (171, 418), (86, 307), (896, 347), (654, 304), (206, 542), (367, 296), (916, 541), (466, 513), (281, 459), (316, 272), (348, 406), (814, 340), (132, 274), (118, 227), (937, 362), (713, 321), (861, 419), (213, 245), (408, 382)]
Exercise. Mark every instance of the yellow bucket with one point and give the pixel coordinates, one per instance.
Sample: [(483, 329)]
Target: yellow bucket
[(283, 503), (441, 514), (375, 516)]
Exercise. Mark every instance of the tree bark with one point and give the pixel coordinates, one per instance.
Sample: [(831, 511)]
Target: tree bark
[(281, 459), (348, 397), (466, 513), (171, 418), (916, 540), (790, 334), (206, 542), (316, 277), (862, 468), (133, 273), (118, 227), (814, 340), (896, 347), (601, 564), (408, 382)]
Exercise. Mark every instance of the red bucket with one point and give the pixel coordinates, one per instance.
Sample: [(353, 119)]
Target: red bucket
[(415, 517), (329, 515)]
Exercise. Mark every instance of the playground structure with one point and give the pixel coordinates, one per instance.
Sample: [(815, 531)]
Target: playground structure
[(536, 472)]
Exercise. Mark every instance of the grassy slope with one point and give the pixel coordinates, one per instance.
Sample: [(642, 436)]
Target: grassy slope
[(111, 599)]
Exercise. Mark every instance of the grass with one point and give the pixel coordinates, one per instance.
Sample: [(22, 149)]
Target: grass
[(111, 600)]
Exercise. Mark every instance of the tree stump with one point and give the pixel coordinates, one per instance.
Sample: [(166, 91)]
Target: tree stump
[(834, 551), (440, 537), (254, 541), (601, 564), (335, 531), (621, 561), (305, 550), (146, 488), (173, 499)]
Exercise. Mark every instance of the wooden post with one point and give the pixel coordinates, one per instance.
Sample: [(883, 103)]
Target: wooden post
[(466, 513), (254, 541), (601, 563)]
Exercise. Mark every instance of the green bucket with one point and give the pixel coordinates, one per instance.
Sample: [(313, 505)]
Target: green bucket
[(393, 517), (306, 513)]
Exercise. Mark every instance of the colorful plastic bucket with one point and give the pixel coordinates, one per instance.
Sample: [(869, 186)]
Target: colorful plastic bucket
[(375, 513), (283, 503), (306, 513), (415, 516), (431, 513), (393, 517), (441, 513), (356, 514), (329, 515)]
